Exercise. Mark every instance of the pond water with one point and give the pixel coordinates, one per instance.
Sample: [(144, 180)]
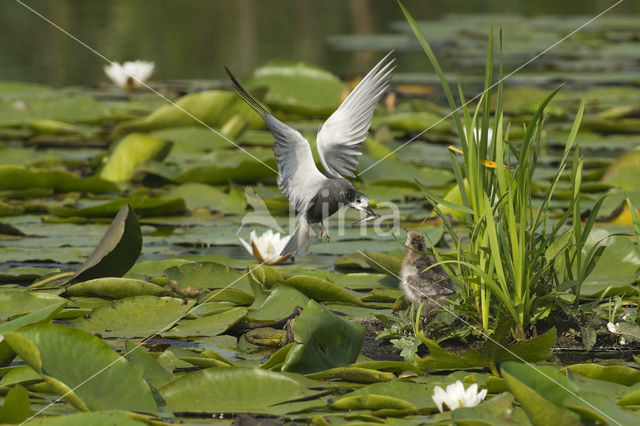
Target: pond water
[(194, 39)]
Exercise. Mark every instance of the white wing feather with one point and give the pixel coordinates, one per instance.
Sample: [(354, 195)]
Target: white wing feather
[(298, 177), (340, 138)]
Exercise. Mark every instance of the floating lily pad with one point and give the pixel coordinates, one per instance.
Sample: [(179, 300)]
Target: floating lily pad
[(298, 88), (142, 205), (132, 151), (102, 418), (230, 390), (200, 275), (153, 372), (15, 302), (322, 290), (114, 288), (323, 341), (211, 325), (213, 107), (279, 304), (139, 316), (66, 358), (16, 407), (16, 177), (624, 172), (199, 195)]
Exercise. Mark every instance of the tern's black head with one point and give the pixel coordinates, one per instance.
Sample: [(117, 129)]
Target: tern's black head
[(357, 200)]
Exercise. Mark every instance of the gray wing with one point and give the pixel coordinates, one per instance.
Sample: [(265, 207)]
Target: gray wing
[(298, 177), (340, 137)]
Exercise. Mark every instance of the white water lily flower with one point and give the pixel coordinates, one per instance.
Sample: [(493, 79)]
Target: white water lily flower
[(130, 74), (455, 396), (267, 247)]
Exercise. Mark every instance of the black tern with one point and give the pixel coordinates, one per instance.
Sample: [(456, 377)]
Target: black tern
[(433, 287), (316, 196)]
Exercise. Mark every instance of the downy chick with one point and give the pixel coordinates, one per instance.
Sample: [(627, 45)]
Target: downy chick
[(433, 287)]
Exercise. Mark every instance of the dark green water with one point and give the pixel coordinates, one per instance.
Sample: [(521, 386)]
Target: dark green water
[(194, 39)]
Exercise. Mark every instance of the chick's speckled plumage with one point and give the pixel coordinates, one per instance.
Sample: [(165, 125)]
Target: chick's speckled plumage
[(433, 287)]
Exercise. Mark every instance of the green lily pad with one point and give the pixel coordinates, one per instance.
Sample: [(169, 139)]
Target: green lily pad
[(15, 302), (195, 139), (383, 263), (103, 418), (66, 358), (322, 290), (230, 390), (395, 173), (354, 374), (414, 122), (20, 374), (153, 373), (279, 304), (540, 392), (17, 177), (117, 251), (16, 407), (211, 325), (207, 275), (615, 270), (142, 205), (610, 373), (199, 195), (213, 107), (134, 150), (323, 341), (298, 88), (114, 288), (138, 316), (624, 172)]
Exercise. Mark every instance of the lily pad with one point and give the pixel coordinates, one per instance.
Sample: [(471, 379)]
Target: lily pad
[(114, 288), (142, 205), (213, 107), (199, 195), (153, 373), (66, 358), (298, 88), (323, 341), (117, 251), (15, 302), (103, 418), (322, 290), (139, 316), (16, 177), (134, 150), (230, 390), (211, 325), (16, 407), (540, 391), (279, 304), (200, 275)]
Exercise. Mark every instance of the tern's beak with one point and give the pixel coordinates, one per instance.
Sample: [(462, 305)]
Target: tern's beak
[(366, 209)]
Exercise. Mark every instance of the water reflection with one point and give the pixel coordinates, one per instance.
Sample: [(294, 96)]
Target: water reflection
[(193, 39)]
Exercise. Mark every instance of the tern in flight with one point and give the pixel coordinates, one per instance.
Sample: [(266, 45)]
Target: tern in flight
[(313, 195)]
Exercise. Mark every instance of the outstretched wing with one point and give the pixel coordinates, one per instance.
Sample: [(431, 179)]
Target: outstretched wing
[(298, 177), (340, 138)]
